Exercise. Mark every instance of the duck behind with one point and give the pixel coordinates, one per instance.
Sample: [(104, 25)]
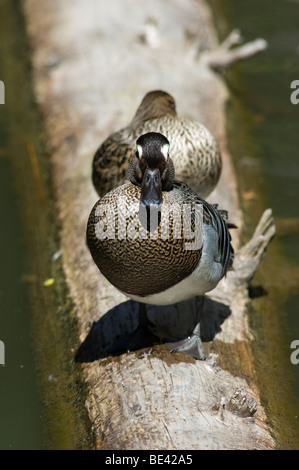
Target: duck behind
[(195, 152)]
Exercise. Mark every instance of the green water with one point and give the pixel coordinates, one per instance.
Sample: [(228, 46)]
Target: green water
[(21, 416), (20, 410), (41, 390), (264, 140)]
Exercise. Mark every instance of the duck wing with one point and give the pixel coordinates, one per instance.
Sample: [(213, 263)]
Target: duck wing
[(217, 218)]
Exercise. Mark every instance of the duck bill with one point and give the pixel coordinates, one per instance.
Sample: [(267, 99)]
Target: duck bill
[(151, 188)]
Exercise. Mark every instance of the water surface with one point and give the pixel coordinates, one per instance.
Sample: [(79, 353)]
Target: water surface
[(21, 415)]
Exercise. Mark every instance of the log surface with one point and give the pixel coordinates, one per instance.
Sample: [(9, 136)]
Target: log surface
[(91, 70)]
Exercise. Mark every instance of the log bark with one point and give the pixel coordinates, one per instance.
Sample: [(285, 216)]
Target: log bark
[(92, 63)]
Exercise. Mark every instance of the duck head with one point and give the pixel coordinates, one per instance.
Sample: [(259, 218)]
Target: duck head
[(151, 168), (155, 104)]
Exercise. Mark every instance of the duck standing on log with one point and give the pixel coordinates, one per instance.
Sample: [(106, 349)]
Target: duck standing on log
[(157, 241), (194, 150)]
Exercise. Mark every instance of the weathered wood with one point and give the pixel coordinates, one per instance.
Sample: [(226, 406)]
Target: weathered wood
[(91, 69)]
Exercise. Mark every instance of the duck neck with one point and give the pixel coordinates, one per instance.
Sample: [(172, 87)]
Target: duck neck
[(151, 111)]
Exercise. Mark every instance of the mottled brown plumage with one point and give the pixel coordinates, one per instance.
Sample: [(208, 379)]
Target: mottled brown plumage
[(194, 150), (147, 264)]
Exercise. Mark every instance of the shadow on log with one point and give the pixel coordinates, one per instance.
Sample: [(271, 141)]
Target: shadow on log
[(172, 322), (87, 86)]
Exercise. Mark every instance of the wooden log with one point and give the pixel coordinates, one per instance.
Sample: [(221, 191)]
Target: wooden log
[(93, 62)]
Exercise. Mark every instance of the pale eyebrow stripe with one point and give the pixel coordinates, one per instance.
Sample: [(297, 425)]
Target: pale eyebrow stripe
[(139, 150), (165, 150)]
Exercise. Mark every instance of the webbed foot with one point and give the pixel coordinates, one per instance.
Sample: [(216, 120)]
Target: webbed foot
[(192, 345)]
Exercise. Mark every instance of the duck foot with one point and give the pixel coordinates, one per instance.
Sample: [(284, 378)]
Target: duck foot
[(192, 345), (140, 338)]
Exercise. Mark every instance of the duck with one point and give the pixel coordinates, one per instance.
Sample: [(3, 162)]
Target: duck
[(156, 240), (195, 151)]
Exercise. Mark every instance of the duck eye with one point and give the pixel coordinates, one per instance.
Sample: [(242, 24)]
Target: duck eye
[(138, 151)]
